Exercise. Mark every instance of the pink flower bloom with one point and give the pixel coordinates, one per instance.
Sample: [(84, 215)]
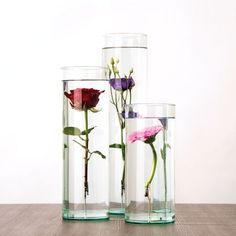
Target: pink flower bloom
[(145, 134)]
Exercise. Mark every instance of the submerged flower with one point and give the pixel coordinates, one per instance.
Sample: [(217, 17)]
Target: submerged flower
[(83, 98), (147, 135), (131, 114), (163, 121), (122, 84)]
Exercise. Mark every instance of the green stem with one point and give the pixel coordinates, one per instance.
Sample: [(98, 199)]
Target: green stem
[(122, 148), (114, 102), (112, 99), (122, 98), (126, 95), (117, 110), (123, 180), (81, 145), (86, 188), (130, 96), (121, 122), (154, 165), (165, 183), (164, 163), (123, 158)]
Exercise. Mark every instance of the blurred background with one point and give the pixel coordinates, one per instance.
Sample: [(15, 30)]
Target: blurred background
[(192, 63)]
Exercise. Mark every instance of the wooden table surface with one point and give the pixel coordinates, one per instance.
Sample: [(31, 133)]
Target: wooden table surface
[(191, 220)]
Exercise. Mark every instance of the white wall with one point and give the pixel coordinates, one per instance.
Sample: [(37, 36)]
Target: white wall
[(192, 58)]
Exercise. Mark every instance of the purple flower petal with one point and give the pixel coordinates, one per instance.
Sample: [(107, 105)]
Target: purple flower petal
[(122, 84), (163, 122), (131, 114)]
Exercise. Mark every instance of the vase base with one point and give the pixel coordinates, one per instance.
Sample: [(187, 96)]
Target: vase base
[(156, 217), (93, 215), (116, 211)]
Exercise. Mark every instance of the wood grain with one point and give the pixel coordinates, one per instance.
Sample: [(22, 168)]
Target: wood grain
[(191, 220)]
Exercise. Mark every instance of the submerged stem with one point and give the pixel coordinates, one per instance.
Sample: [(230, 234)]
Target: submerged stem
[(130, 96), (164, 164), (154, 165), (123, 156), (86, 188), (165, 182), (120, 105), (123, 185)]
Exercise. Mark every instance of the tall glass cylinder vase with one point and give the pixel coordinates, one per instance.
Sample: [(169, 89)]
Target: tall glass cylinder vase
[(85, 147), (150, 163), (125, 55)]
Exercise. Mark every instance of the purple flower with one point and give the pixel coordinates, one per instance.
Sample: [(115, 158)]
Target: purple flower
[(163, 122), (122, 84), (131, 114)]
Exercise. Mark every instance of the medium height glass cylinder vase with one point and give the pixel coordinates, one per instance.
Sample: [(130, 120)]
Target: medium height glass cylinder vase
[(150, 163), (85, 147), (125, 56)]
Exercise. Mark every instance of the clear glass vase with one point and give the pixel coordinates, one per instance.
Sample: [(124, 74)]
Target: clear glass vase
[(85, 147), (125, 55), (150, 163)]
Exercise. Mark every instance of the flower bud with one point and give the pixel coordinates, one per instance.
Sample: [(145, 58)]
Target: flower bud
[(112, 61), (109, 71), (116, 71)]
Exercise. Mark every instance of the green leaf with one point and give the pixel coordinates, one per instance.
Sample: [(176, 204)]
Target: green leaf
[(84, 132), (71, 131), (115, 145), (99, 153), (94, 110), (65, 146)]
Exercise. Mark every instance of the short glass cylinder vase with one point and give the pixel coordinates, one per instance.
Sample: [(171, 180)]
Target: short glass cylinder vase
[(85, 147), (150, 163), (125, 55)]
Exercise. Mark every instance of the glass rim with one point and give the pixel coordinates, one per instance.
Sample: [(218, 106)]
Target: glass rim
[(150, 110), (68, 80), (125, 40), (84, 73), (84, 68), (125, 34), (151, 104)]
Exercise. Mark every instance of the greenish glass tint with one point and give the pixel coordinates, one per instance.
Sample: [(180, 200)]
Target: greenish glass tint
[(85, 146), (126, 57), (149, 163)]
